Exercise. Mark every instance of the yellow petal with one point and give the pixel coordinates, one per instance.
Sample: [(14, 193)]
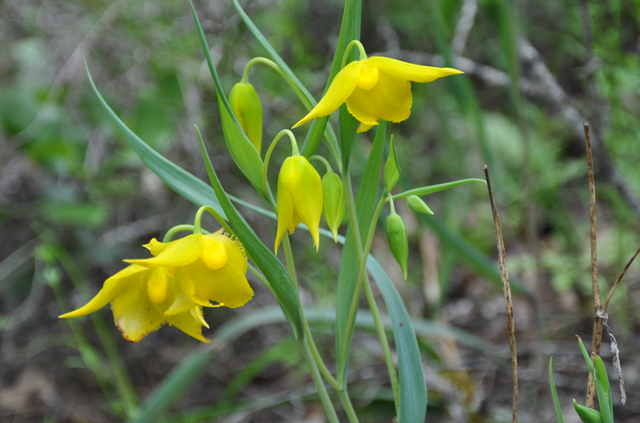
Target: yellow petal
[(390, 100), (340, 89), (285, 201), (188, 324), (112, 287), (227, 286), (196, 312), (214, 253), (307, 196), (180, 252), (155, 247), (134, 314), (158, 284), (364, 127), (409, 71)]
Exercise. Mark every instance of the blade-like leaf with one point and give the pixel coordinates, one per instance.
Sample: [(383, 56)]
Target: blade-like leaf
[(431, 189), (242, 151), (554, 393), (318, 127), (176, 178), (348, 275), (283, 288), (413, 388)]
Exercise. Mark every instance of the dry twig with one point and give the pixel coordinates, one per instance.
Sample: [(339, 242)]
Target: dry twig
[(596, 338), (506, 289)]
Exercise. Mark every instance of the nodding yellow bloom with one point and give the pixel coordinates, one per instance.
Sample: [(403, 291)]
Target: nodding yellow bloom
[(173, 286), (299, 198), (142, 299), (207, 268), (375, 88)]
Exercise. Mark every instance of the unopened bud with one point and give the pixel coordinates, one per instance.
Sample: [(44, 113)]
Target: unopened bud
[(397, 237), (416, 204), (334, 203), (247, 107)]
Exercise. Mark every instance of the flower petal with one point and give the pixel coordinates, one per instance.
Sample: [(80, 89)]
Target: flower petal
[(155, 247), (285, 201), (340, 89), (112, 287), (409, 71), (187, 323), (307, 196), (389, 100), (228, 285), (180, 252), (134, 314)]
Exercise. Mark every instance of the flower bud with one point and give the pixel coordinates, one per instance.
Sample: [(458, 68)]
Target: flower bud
[(334, 203), (397, 237), (247, 107), (416, 204)]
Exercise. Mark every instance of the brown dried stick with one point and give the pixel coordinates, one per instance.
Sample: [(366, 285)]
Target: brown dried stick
[(617, 282), (506, 289), (596, 338)]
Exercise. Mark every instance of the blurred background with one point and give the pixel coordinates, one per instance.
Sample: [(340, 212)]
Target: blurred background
[(75, 201)]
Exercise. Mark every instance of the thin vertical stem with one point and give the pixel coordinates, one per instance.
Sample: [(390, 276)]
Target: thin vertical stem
[(506, 289), (317, 379), (596, 338)]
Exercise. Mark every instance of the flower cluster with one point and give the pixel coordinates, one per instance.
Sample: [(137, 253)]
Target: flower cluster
[(172, 287)]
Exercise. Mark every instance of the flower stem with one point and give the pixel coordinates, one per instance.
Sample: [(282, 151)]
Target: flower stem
[(179, 228), (317, 379)]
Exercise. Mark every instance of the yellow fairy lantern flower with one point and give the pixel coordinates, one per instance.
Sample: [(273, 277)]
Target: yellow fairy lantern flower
[(207, 268), (375, 88), (141, 300), (299, 198)]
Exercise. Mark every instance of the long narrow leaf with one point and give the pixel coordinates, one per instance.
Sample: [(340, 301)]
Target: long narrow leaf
[(348, 275), (242, 151), (176, 178), (413, 388), (318, 126), (262, 256), (554, 393)]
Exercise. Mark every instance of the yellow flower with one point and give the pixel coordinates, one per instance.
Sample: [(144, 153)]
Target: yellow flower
[(299, 198), (141, 300), (375, 88), (207, 268)]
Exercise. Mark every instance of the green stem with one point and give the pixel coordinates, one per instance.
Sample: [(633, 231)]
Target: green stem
[(382, 335), (317, 379), (179, 228), (260, 277), (363, 53), (348, 407), (323, 160), (267, 157), (197, 225)]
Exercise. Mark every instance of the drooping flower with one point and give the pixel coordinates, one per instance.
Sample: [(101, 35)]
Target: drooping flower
[(207, 268), (375, 88), (141, 299), (299, 198)]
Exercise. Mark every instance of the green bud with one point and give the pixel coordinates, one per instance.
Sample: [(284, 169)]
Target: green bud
[(247, 107), (334, 203), (397, 237), (416, 204), (587, 415), (391, 169)]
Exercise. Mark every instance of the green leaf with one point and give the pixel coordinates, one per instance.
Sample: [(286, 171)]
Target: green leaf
[(554, 394), (176, 178), (604, 399), (391, 169), (283, 288), (368, 194), (431, 189), (587, 415), (314, 136), (242, 151), (413, 388)]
